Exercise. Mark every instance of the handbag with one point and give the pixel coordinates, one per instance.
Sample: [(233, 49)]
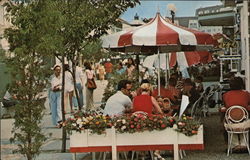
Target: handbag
[(91, 84)]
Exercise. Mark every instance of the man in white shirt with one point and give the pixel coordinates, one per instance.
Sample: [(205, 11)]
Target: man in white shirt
[(55, 96), (120, 101)]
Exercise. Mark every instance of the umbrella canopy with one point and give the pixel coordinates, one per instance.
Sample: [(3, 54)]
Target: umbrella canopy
[(184, 59), (158, 34), (187, 59)]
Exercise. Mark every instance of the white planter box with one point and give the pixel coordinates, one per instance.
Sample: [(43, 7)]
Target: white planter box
[(113, 140)]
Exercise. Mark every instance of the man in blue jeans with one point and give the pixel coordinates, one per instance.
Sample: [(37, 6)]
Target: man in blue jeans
[(79, 84), (55, 96)]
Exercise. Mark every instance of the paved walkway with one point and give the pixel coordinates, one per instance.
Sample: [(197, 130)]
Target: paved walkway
[(51, 149)]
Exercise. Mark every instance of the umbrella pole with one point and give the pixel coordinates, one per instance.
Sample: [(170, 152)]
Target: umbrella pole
[(137, 67), (159, 81), (167, 68)]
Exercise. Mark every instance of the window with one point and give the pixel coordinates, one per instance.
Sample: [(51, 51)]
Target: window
[(206, 11), (200, 12)]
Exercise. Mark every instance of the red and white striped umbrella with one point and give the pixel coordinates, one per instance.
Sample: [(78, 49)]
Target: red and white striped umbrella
[(184, 59), (190, 58), (158, 34)]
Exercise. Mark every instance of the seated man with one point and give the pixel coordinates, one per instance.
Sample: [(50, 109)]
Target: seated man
[(236, 95), (190, 91), (120, 101), (172, 82)]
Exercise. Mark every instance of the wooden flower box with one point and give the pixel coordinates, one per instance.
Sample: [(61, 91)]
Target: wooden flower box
[(167, 139)]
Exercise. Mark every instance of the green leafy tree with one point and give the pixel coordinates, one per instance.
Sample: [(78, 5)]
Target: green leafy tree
[(79, 25), (61, 28), (29, 72), (93, 51)]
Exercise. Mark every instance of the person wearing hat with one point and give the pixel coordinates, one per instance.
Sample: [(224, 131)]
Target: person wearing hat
[(55, 96)]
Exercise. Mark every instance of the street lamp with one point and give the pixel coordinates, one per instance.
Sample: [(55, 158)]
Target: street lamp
[(172, 9)]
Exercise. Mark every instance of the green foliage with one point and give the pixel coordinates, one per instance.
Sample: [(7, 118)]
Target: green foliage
[(48, 28), (29, 75), (93, 51), (2, 53), (187, 125)]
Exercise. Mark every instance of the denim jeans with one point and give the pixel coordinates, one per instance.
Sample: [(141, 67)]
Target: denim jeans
[(55, 103), (80, 93)]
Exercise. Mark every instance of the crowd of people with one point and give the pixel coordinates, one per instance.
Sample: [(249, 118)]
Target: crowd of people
[(148, 99), (104, 70), (55, 90), (82, 76)]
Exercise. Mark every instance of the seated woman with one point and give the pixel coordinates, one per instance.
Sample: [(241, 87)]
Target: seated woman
[(145, 102), (165, 105)]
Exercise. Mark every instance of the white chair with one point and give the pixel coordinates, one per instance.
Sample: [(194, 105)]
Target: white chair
[(237, 122)]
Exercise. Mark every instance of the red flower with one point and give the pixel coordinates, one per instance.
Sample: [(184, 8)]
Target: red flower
[(110, 124), (132, 126), (136, 119), (138, 126), (163, 126)]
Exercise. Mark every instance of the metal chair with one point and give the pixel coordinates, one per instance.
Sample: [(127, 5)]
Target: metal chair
[(237, 122)]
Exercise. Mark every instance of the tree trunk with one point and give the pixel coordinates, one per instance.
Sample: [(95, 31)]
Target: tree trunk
[(64, 134), (74, 80)]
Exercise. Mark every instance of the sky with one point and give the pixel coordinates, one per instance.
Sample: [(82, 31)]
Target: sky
[(148, 8)]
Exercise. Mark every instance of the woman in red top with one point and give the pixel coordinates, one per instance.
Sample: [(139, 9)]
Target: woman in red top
[(145, 102)]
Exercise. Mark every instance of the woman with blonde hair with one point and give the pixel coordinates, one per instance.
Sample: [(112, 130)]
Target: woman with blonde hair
[(145, 102)]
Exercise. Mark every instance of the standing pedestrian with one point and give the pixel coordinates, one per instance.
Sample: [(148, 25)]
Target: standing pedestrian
[(69, 88), (101, 72), (130, 68), (79, 83), (55, 96), (108, 68), (89, 92)]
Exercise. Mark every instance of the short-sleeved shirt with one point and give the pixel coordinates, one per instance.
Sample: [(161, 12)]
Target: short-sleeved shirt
[(56, 81), (108, 67), (236, 97), (69, 83), (79, 74), (90, 74), (116, 104)]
